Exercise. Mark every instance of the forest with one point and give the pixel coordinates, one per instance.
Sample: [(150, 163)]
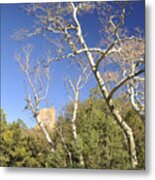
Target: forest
[(102, 125), (100, 142)]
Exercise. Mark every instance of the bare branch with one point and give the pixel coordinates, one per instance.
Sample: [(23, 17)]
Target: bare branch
[(37, 91), (76, 52), (136, 104), (126, 129), (123, 81), (63, 20)]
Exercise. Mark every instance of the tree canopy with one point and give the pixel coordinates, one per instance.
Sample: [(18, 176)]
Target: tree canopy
[(98, 139), (106, 130)]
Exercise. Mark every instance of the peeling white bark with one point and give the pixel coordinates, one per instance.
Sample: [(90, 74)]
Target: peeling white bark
[(135, 105), (122, 124), (45, 132), (75, 90), (75, 106), (38, 91)]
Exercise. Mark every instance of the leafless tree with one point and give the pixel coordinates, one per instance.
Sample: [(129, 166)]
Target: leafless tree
[(38, 79), (135, 90), (75, 86), (137, 99), (117, 46)]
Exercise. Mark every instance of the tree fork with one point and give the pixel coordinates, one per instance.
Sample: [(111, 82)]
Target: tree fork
[(126, 129), (118, 118)]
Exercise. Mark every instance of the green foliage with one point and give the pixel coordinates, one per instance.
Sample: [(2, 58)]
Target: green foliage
[(100, 141), (14, 147), (139, 134), (103, 142)]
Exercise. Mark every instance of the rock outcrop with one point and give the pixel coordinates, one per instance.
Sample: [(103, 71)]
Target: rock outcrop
[(48, 117)]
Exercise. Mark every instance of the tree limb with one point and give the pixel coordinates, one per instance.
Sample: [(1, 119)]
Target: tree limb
[(122, 82)]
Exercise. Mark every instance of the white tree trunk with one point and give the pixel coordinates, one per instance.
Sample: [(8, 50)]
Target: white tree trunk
[(122, 124), (45, 132), (75, 106), (135, 106), (74, 129)]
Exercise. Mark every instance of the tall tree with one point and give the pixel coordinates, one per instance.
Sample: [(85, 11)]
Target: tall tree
[(116, 47), (75, 86), (38, 82)]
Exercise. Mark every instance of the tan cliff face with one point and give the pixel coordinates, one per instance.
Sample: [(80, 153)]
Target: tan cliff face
[(48, 117)]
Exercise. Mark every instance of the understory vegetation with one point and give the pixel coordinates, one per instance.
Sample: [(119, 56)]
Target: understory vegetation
[(81, 45), (99, 141)]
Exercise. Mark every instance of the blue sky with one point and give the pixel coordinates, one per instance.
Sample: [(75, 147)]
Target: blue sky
[(12, 88)]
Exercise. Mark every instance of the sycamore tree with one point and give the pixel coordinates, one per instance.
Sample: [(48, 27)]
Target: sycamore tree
[(116, 61), (74, 86), (37, 78)]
